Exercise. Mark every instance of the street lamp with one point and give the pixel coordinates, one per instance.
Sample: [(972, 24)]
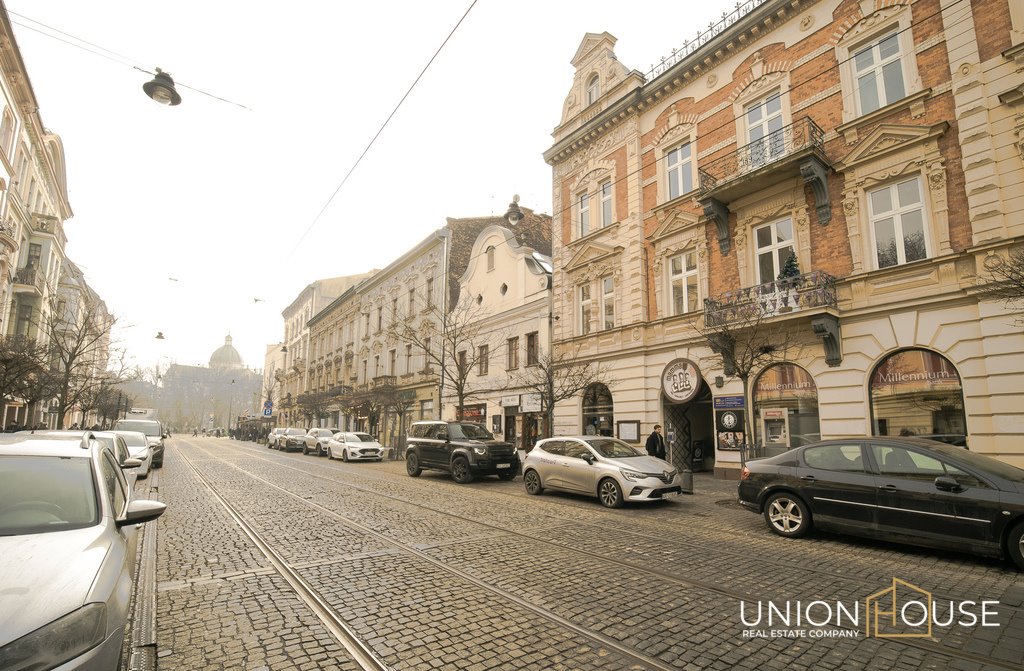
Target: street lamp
[(161, 89)]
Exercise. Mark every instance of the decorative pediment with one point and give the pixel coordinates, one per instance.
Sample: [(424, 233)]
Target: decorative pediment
[(887, 138), (592, 41), (673, 221), (591, 253)]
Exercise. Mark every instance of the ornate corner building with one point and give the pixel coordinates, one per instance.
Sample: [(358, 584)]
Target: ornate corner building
[(831, 182)]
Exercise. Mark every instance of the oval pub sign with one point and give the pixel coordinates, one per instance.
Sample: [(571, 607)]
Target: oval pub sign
[(681, 380)]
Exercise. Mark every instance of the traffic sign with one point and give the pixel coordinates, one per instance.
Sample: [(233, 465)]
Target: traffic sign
[(268, 408)]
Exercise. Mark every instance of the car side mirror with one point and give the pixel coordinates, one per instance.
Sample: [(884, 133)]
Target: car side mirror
[(141, 511), (589, 458), (131, 463), (947, 484)]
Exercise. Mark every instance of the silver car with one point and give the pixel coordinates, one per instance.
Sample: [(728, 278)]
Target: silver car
[(607, 468), (139, 448), (354, 446), (67, 552)]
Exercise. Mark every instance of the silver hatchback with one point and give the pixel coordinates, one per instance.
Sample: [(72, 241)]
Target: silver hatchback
[(607, 468)]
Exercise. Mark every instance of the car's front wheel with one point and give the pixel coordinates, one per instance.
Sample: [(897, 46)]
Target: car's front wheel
[(319, 450), (460, 471), (330, 453), (531, 480), (610, 494), (412, 465), (1015, 545), (787, 515)]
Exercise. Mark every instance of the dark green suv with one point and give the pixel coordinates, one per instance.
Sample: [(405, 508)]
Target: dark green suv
[(463, 449)]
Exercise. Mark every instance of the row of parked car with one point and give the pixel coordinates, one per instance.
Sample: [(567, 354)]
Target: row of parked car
[(332, 443), (68, 534)]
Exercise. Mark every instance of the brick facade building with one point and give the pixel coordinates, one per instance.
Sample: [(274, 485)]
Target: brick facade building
[(879, 144)]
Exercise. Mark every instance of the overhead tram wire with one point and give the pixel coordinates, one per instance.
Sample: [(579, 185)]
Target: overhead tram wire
[(381, 129), (110, 55)]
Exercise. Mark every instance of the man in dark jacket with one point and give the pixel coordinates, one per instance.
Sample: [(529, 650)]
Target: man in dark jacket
[(656, 443)]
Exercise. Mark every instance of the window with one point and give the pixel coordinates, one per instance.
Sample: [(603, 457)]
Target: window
[(608, 302), (774, 247), (764, 130), (366, 323), (380, 318), (585, 309), (835, 458), (593, 90), (463, 366), (531, 349), (584, 206), (112, 485), (879, 74), (679, 170), (490, 259), (7, 132), (513, 353), (394, 309), (366, 377), (412, 301), (482, 361), (392, 361), (606, 203), (430, 291), (426, 353), (34, 252), (427, 409), (682, 278), (24, 319), (376, 365), (598, 411), (916, 392), (897, 223), (408, 358)]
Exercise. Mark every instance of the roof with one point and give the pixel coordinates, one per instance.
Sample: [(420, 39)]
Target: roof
[(27, 444), (226, 356)]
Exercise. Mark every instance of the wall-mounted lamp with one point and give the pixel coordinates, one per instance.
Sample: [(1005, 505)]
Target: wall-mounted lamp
[(160, 335), (284, 349), (719, 381)]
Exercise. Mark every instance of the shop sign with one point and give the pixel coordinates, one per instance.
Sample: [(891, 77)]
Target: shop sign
[(680, 380), (726, 402), (509, 401), (474, 413), (531, 403), (773, 414)]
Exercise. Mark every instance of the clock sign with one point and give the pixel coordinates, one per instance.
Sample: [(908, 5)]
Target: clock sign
[(729, 420)]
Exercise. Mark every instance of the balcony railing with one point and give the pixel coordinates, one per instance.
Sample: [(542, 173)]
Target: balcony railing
[(778, 297), (30, 276), (384, 380), (776, 146)]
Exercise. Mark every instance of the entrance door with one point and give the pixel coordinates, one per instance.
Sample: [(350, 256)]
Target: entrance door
[(689, 431)]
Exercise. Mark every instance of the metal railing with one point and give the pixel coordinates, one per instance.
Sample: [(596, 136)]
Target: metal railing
[(816, 289), (777, 145), (31, 276)]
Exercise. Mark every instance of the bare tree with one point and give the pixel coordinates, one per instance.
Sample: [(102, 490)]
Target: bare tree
[(747, 340), (21, 358), (78, 342), (559, 377), (455, 343), (1008, 280), (314, 405)]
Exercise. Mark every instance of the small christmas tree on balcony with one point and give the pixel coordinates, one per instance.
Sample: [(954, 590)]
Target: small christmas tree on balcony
[(790, 270), (787, 284)]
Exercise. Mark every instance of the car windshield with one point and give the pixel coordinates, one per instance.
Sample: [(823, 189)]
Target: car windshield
[(296, 432), (41, 494), (134, 439), (148, 427), (470, 431), (612, 448), (981, 462)]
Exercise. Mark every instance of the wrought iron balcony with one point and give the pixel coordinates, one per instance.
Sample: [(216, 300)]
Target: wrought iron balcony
[(31, 276), (797, 139), (794, 150), (341, 390), (384, 381), (779, 297)]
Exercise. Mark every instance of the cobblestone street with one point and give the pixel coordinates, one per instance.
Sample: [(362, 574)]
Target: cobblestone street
[(421, 573)]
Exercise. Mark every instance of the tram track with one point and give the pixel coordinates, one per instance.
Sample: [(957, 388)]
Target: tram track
[(846, 577), (692, 583)]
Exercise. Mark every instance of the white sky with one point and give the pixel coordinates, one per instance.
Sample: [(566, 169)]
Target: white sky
[(219, 197)]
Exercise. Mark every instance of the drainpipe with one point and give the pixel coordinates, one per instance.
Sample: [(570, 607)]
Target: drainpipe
[(445, 235)]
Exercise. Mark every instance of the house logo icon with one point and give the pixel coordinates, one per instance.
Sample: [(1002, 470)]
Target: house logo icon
[(901, 611)]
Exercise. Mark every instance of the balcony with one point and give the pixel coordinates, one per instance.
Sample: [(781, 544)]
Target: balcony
[(8, 236), (50, 225), (384, 381), (794, 150), (810, 295), (29, 279), (341, 390)]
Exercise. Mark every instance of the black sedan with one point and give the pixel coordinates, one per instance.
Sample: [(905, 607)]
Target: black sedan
[(907, 490)]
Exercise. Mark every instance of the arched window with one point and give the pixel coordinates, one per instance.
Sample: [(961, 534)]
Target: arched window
[(916, 392), (593, 90), (598, 411), (7, 132), (785, 407), (490, 258)]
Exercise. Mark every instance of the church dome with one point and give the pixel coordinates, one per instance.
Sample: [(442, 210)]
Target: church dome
[(226, 356)]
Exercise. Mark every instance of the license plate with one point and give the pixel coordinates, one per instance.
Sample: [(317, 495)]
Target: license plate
[(504, 465)]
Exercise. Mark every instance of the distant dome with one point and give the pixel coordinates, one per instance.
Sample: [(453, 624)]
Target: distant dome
[(226, 357)]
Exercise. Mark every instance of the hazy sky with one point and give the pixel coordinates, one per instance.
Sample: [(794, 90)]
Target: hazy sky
[(221, 198)]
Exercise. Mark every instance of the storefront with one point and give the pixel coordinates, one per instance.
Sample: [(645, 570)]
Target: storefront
[(688, 418), (785, 408), (916, 392), (598, 411)]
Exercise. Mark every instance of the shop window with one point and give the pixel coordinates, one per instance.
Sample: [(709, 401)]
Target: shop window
[(916, 392), (598, 411), (785, 407)]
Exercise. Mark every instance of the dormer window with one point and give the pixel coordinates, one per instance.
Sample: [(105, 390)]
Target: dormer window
[(593, 90), (490, 258)]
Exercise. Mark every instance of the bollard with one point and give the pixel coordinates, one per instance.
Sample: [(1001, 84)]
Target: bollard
[(687, 476)]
